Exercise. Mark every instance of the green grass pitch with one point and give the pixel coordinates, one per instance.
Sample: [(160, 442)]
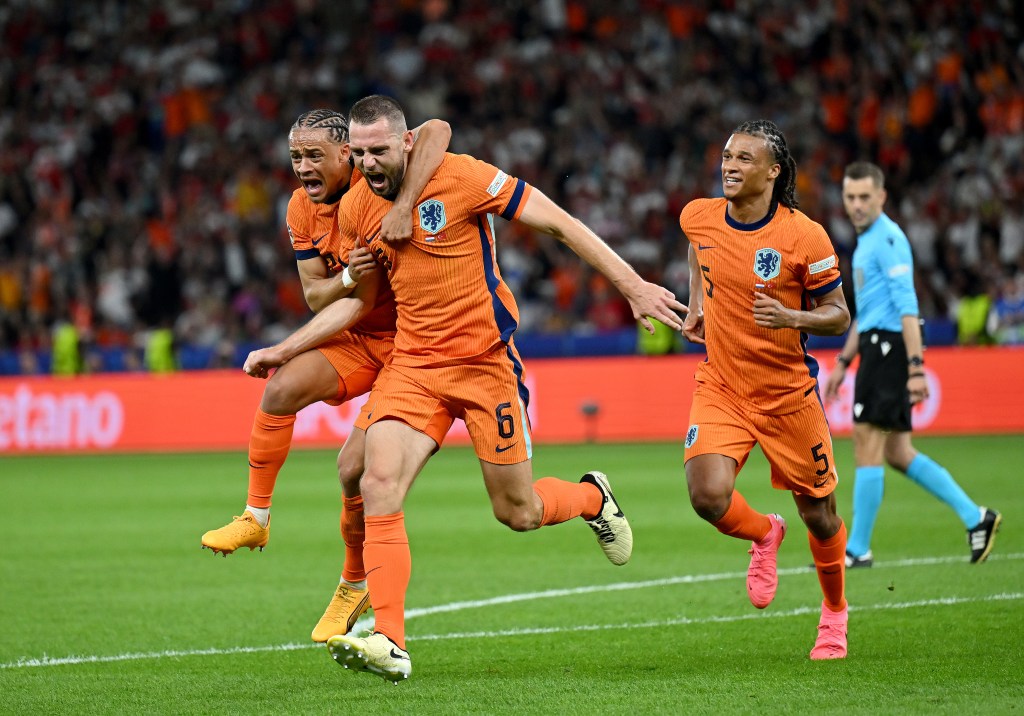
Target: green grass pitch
[(109, 606)]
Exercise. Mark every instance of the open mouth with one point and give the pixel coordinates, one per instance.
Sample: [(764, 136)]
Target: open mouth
[(377, 182), (313, 187)]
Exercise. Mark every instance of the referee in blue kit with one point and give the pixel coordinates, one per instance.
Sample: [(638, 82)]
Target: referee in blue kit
[(891, 376)]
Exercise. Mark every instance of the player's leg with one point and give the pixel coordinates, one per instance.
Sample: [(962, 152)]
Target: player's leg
[(868, 490), (718, 441), (395, 454), (351, 597), (826, 534), (798, 446), (306, 379), (981, 523), (522, 504), (494, 397)]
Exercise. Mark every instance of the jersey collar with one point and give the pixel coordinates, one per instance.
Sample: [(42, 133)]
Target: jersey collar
[(760, 223)]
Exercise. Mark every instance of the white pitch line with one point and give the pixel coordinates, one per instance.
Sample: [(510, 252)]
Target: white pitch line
[(665, 582), (552, 593)]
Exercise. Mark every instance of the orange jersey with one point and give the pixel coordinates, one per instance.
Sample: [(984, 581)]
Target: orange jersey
[(313, 231), (786, 256), (453, 305)]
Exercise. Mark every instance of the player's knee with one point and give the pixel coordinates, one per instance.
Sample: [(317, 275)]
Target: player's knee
[(350, 468), (710, 505), (281, 396), (518, 518), (378, 486)]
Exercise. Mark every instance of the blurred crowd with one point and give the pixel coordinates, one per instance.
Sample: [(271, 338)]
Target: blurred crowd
[(144, 170)]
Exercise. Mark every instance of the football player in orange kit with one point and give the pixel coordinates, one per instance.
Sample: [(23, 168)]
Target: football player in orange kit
[(454, 358), (342, 367), (763, 276)]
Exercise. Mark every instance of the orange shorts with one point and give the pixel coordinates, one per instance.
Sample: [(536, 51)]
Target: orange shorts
[(798, 445), (357, 358), (488, 394)]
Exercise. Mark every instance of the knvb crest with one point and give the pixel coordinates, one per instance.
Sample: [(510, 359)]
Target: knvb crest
[(767, 263), (691, 435), (432, 216)]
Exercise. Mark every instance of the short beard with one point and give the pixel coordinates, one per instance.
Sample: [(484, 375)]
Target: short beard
[(393, 194)]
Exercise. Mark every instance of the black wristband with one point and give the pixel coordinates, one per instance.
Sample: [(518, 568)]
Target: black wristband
[(916, 375), (915, 362), (843, 361)]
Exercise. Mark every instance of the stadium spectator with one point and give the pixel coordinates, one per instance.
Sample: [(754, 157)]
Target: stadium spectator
[(759, 385), (116, 116), (891, 377)]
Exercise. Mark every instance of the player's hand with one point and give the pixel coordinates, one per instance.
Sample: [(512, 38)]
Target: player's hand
[(396, 226), (693, 327), (259, 363), (769, 313), (361, 261), (834, 382), (917, 386), (653, 301)]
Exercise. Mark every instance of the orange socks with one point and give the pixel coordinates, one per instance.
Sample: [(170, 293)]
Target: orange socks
[(564, 500), (743, 521), (388, 568), (830, 562), (269, 443), (353, 532)]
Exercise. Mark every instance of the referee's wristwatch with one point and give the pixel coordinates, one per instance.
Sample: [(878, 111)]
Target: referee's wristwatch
[(916, 366)]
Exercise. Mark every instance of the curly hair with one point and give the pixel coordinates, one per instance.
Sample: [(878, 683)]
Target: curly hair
[(784, 190)]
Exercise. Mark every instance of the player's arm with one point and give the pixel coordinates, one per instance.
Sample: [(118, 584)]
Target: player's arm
[(430, 142), (334, 318), (693, 326), (646, 299), (843, 361), (321, 288), (829, 317)]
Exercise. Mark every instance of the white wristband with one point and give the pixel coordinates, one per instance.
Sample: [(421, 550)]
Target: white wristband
[(347, 280)]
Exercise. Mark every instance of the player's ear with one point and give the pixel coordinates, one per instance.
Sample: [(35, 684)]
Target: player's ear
[(407, 141), (774, 170)]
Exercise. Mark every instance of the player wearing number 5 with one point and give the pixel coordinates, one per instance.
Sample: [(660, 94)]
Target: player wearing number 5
[(454, 358), (762, 277), (891, 376)]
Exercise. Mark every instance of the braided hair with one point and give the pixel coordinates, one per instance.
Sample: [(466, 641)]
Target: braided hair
[(328, 119), (784, 191)]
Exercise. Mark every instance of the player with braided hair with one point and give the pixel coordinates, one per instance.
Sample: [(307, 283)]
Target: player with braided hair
[(761, 280), (344, 366)]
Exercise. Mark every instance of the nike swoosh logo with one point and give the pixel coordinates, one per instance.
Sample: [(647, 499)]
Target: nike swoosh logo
[(255, 467), (823, 482), (701, 247), (371, 570), (317, 241), (507, 447), (396, 655), (832, 571)]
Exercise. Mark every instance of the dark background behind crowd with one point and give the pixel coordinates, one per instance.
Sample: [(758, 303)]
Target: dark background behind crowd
[(144, 171)]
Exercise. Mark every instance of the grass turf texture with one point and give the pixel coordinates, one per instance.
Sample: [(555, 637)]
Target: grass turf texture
[(100, 558)]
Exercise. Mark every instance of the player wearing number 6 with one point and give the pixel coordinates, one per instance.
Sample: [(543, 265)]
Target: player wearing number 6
[(763, 276), (454, 358)]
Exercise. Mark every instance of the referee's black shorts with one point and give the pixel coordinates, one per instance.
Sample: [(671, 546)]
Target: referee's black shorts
[(880, 394)]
